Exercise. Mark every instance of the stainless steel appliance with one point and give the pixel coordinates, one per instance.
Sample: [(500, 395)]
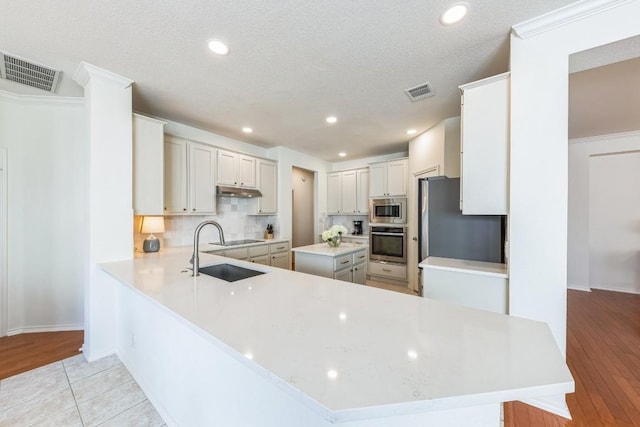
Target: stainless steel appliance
[(445, 232), (388, 211), (388, 243)]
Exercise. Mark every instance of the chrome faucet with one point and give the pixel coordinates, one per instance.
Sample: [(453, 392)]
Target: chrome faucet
[(195, 260)]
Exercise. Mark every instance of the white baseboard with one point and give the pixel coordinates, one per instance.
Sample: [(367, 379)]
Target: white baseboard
[(33, 329), (555, 404), (615, 289), (583, 288)]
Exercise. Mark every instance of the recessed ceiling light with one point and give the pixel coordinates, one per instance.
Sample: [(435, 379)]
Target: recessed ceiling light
[(342, 154), (332, 119), (454, 13), (411, 131), (247, 129), (218, 47)]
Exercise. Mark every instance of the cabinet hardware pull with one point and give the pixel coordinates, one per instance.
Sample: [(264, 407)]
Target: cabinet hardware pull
[(345, 262), (194, 209), (387, 270), (280, 247), (184, 209), (361, 256)]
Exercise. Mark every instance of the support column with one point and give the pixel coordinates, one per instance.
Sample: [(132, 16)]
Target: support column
[(110, 214)]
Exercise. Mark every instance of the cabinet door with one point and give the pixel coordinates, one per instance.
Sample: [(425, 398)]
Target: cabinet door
[(227, 168), (484, 147), (359, 274), (362, 191), (148, 161), (333, 193), (202, 182), (268, 185), (247, 171), (397, 178), (378, 180), (344, 275), (262, 259), (175, 176), (348, 197), (280, 260)]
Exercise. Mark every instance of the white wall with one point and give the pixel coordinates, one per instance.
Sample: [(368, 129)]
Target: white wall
[(579, 242), (539, 159), (47, 207)]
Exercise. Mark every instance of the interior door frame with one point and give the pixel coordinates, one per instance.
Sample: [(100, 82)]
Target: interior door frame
[(4, 290)]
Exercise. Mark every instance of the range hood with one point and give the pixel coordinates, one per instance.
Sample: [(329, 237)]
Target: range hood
[(225, 191)]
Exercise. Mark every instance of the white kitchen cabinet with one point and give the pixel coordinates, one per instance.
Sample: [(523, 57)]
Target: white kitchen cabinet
[(476, 284), (346, 192), (344, 275), (359, 274), (279, 255), (236, 170), (189, 177), (484, 146), (437, 151), (388, 179), (148, 161), (267, 183), (395, 273)]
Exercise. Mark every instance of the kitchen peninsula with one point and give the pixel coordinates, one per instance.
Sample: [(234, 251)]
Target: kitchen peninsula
[(289, 349)]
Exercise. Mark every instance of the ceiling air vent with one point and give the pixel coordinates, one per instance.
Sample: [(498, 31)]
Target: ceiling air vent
[(420, 92), (28, 73)]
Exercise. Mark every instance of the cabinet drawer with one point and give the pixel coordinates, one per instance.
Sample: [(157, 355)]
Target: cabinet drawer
[(239, 253), (279, 247), (255, 251), (359, 257), (392, 271), (342, 262), (262, 259)]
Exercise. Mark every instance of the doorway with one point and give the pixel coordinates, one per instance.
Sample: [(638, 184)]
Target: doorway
[(4, 293), (303, 207)]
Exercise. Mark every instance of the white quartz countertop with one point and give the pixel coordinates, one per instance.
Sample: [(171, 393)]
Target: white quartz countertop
[(326, 250), (350, 351), (465, 266)]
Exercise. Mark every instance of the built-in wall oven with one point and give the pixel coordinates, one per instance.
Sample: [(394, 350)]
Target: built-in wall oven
[(388, 243), (388, 211)]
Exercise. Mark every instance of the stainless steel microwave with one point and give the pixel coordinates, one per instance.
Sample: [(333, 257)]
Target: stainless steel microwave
[(388, 211)]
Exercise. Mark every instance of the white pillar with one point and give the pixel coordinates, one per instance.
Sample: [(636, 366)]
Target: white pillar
[(110, 226)]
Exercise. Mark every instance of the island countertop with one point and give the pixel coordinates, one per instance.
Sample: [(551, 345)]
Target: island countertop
[(326, 250), (353, 352)]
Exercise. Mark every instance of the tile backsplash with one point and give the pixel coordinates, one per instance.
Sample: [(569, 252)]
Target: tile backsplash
[(231, 215)]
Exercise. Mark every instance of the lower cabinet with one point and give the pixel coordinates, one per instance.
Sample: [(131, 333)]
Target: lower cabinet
[(279, 254), (388, 271)]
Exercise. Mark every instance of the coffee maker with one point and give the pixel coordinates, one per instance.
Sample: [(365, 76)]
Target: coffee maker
[(357, 227)]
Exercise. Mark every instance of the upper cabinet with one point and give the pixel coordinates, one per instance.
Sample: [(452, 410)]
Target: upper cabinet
[(189, 177), (388, 179), (267, 183), (148, 158), (348, 192), (437, 150), (484, 146), (237, 170)]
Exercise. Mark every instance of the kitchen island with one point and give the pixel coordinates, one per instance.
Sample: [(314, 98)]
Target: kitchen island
[(290, 349), (347, 262)]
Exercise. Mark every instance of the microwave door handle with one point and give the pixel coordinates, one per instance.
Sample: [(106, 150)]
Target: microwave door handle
[(375, 233)]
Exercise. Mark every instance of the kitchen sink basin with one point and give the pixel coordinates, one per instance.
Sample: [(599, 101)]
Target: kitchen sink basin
[(229, 272)]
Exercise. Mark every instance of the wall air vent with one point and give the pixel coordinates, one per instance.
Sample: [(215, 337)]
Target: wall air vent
[(422, 91), (28, 73)]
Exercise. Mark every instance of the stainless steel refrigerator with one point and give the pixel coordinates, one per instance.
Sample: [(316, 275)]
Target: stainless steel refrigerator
[(445, 232)]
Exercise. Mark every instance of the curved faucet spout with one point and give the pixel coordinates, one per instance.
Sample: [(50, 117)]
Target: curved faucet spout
[(195, 259)]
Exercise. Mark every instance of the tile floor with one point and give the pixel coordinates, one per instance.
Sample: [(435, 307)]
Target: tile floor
[(73, 392)]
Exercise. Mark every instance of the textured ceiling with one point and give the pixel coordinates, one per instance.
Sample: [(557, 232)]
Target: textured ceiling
[(292, 63)]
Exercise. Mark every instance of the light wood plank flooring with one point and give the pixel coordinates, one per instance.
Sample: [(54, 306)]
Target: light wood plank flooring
[(603, 353)]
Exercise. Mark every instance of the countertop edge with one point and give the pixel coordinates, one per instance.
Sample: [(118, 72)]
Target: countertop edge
[(478, 268)]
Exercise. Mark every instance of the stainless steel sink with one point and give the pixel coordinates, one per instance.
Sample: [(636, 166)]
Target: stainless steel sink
[(239, 242), (229, 272)]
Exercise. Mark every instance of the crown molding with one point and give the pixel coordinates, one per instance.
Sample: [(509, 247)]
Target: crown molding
[(563, 16), (86, 71), (606, 136), (41, 98)]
